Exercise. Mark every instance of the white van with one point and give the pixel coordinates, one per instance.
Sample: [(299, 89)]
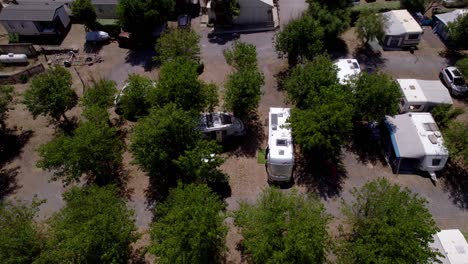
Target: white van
[(280, 150)]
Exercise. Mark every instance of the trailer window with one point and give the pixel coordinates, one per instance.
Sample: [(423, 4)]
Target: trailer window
[(415, 107), (436, 162), (413, 36), (281, 170)]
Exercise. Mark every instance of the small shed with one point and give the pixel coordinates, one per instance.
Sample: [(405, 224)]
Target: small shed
[(105, 9), (416, 144), (255, 12), (452, 245), (34, 20), (401, 30), (422, 95), (442, 20)]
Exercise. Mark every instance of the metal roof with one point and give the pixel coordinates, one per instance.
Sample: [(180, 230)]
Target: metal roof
[(424, 91), (279, 136), (347, 68), (453, 246), (30, 12), (451, 16), (401, 22)]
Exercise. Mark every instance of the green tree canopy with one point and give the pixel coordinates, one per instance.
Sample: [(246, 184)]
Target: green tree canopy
[(458, 31), (300, 39), (133, 102), (370, 26), (179, 84), (21, 241), (225, 10), (463, 67), (241, 56), (456, 140), (161, 137), (94, 149), (325, 126), (387, 225), (243, 92), (141, 16), (374, 96), (6, 96), (177, 44), (189, 227), (100, 94), (51, 94), (284, 228), (334, 16), (84, 11), (94, 226), (444, 114), (307, 80)]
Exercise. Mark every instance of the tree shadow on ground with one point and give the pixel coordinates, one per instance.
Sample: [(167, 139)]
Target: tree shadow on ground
[(368, 57), (66, 126), (8, 182), (143, 57), (281, 78), (322, 175), (455, 182), (90, 47), (12, 142), (451, 56), (247, 145), (337, 48), (222, 39), (366, 143)]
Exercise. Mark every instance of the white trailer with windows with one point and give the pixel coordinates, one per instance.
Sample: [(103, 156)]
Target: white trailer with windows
[(422, 95), (280, 150), (452, 245)]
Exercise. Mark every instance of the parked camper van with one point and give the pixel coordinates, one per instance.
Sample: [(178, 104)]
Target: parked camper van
[(415, 144), (218, 125), (280, 150)]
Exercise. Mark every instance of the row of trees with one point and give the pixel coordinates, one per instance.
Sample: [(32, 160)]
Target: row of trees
[(325, 110)]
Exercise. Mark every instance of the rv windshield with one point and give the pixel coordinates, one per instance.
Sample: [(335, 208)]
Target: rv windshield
[(458, 81), (281, 169)]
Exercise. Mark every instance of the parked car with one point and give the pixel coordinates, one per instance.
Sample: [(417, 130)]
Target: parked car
[(454, 81), (97, 36), (218, 125), (184, 21)]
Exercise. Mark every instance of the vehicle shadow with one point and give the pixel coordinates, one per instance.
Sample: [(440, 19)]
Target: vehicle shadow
[(222, 39), (142, 58), (337, 48), (322, 175), (455, 182), (12, 142), (8, 182), (247, 145), (369, 59)]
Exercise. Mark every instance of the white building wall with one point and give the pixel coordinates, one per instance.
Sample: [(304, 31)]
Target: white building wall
[(25, 28)]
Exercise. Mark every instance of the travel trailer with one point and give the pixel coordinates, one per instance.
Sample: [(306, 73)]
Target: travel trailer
[(347, 68), (452, 245), (401, 30), (415, 144), (280, 150), (422, 95), (219, 125)]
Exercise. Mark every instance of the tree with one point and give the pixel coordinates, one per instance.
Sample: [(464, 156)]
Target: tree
[(189, 227), (458, 31), (94, 149), (284, 228), (210, 92), (100, 94), (226, 11), (84, 11), (51, 94), (370, 26), (243, 92), (418, 5), (374, 96), (444, 114), (307, 80), (141, 16), (241, 56), (462, 65), (325, 126), (133, 102), (6, 96), (20, 236), (300, 39), (387, 225), (179, 84), (94, 226), (334, 14), (177, 44), (160, 138), (456, 140)]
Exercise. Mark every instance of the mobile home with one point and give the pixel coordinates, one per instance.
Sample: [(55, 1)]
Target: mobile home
[(280, 150), (401, 30), (415, 144), (452, 245), (442, 21), (422, 95), (347, 69)]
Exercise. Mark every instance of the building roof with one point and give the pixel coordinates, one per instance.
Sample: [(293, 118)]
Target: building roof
[(44, 2), (451, 16), (346, 69), (104, 2), (424, 91), (255, 3), (401, 22), (415, 135), (30, 12), (453, 246), (280, 140)]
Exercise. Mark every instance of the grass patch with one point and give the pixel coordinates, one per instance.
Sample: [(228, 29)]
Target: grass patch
[(261, 156)]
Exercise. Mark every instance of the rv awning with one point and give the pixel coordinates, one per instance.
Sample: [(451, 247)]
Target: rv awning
[(405, 137)]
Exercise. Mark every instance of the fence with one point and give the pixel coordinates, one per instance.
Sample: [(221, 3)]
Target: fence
[(20, 48), (22, 76)]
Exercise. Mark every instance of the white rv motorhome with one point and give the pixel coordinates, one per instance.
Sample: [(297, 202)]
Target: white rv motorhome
[(417, 144), (347, 69), (422, 95), (280, 150)]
